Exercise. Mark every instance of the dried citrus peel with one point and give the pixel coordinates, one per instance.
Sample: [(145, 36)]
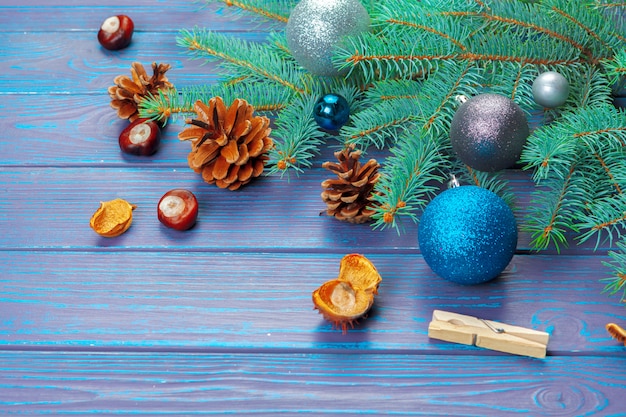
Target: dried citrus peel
[(349, 297), (112, 217)]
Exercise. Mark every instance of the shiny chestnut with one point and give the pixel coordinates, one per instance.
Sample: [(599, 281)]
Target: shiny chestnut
[(178, 209), (141, 137), (116, 32)]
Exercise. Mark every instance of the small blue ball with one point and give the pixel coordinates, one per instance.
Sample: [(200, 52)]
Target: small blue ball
[(331, 112), (467, 235)]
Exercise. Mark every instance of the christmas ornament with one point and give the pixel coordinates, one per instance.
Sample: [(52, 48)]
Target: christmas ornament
[(315, 27), (348, 197), (331, 112), (344, 300), (228, 145), (116, 32), (467, 235), (550, 89), (488, 132), (178, 209), (112, 217), (141, 137), (127, 92)]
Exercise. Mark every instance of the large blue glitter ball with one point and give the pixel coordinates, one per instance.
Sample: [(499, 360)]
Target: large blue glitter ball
[(467, 235), (331, 112)]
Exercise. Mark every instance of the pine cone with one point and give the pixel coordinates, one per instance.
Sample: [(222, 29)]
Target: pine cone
[(228, 146), (348, 198), (127, 93)]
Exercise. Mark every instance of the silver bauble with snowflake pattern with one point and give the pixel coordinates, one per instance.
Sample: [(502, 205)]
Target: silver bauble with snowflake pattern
[(315, 27)]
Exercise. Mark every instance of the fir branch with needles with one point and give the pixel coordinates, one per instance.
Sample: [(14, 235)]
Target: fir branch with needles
[(236, 54), (616, 283), (403, 80), (273, 10)]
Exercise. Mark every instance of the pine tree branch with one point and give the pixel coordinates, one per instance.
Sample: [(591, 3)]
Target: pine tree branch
[(379, 126), (408, 182), (297, 138), (563, 155), (430, 17), (608, 169), (616, 69), (492, 181), (589, 86), (245, 55), (606, 216), (513, 80), (534, 18), (551, 211), (553, 149), (403, 82), (174, 103), (459, 79), (382, 58), (567, 14), (617, 282), (276, 9)]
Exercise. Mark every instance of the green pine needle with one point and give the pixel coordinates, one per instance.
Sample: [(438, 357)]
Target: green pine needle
[(409, 182), (617, 282), (275, 10), (297, 137), (267, 65)]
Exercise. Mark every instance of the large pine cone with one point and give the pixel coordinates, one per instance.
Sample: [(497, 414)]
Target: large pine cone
[(228, 146), (127, 93), (349, 197)]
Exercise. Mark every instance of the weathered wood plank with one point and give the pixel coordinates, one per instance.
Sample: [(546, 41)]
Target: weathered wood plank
[(72, 129), (315, 384), (148, 15), (50, 207), (74, 62), (186, 299)]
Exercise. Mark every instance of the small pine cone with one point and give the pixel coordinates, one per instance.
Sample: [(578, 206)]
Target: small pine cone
[(127, 93), (228, 145), (349, 197)]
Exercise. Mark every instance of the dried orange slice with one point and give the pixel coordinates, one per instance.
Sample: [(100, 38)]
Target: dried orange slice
[(112, 217), (350, 296)]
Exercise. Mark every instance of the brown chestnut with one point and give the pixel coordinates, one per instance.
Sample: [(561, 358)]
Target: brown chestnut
[(141, 137), (178, 209), (116, 32)]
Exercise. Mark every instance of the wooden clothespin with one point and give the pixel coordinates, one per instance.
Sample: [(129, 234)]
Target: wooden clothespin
[(468, 330)]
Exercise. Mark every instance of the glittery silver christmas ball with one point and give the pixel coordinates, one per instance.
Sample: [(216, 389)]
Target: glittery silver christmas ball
[(316, 26), (550, 89), (488, 132)]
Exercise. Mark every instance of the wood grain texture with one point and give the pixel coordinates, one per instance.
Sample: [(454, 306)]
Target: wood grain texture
[(272, 213), (74, 62), (197, 299), (310, 384), (219, 320), (148, 16)]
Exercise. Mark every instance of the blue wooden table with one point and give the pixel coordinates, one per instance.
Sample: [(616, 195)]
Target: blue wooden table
[(219, 319)]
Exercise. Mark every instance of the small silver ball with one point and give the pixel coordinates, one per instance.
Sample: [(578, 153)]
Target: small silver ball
[(315, 27), (550, 89)]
